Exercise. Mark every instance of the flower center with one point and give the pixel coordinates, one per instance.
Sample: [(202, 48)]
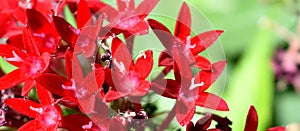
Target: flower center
[(129, 82), (33, 66), (49, 115), (87, 126), (120, 66), (193, 85), (192, 93), (188, 96)]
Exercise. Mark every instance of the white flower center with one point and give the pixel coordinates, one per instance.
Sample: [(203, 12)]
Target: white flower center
[(142, 54), (38, 110), (193, 85), (72, 87), (188, 43), (120, 66), (15, 57), (87, 126)]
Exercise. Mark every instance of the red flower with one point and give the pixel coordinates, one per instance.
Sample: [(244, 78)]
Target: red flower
[(39, 40), (252, 121), (190, 91), (127, 17), (77, 89), (40, 32), (29, 67), (192, 46), (201, 125), (44, 33), (128, 79), (81, 39), (277, 128), (13, 14), (46, 114)]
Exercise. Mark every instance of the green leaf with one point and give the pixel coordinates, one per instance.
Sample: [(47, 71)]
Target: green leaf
[(252, 83), (69, 16), (5, 66), (67, 111), (33, 95)]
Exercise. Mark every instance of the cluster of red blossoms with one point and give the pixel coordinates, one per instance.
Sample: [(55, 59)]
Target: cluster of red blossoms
[(88, 68)]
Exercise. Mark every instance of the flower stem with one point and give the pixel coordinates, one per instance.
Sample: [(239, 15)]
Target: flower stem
[(168, 120)]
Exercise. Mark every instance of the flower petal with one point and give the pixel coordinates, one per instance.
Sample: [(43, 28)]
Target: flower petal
[(96, 5), (190, 127), (167, 88), (52, 82), (30, 42), (141, 28), (144, 64), (12, 54), (145, 7), (108, 11), (208, 77), (277, 128), (182, 69), (204, 40), (75, 122), (28, 85), (162, 32), (184, 111), (83, 14), (211, 101), (100, 76), (108, 76), (121, 56), (165, 59), (124, 5), (77, 72), (43, 6), (33, 125), (68, 63), (204, 122), (23, 106), (116, 125), (45, 97), (252, 120), (14, 9), (16, 41), (142, 89), (86, 41), (9, 27), (87, 104), (102, 113), (11, 79), (203, 63), (112, 95), (67, 32), (38, 22), (183, 23), (94, 80)]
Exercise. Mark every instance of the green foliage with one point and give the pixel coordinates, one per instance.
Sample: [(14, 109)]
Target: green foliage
[(5, 66), (69, 16), (252, 83)]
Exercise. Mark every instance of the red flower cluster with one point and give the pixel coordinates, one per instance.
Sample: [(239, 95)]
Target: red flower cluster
[(49, 54)]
